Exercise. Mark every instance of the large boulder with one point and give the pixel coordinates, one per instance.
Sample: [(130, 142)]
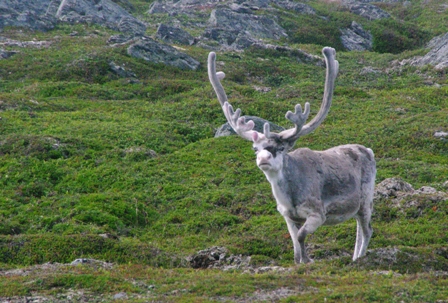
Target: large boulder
[(392, 187), (366, 10), (258, 26), (174, 35), (437, 56), (355, 38), (151, 51)]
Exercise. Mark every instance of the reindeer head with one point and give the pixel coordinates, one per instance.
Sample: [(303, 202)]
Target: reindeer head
[(270, 147)]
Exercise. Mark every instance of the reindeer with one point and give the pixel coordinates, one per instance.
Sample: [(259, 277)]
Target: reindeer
[(312, 188)]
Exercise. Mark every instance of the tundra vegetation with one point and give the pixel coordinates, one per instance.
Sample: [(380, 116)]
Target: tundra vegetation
[(123, 170)]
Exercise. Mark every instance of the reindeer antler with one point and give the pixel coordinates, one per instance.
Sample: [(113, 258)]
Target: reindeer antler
[(299, 119), (245, 129), (238, 123)]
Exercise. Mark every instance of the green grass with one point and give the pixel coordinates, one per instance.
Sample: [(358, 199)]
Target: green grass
[(98, 166)]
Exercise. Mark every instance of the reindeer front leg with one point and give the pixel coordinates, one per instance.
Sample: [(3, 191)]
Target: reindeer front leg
[(293, 230), (311, 224)]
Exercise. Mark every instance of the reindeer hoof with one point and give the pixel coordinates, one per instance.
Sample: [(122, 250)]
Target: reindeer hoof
[(306, 260)]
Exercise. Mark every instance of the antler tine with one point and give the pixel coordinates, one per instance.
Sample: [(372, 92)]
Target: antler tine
[(238, 123), (299, 119)]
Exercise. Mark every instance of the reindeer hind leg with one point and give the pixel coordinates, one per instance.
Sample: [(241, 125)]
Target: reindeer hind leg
[(364, 230), (359, 239)]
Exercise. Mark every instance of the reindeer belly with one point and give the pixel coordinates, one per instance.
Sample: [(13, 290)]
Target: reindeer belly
[(336, 219), (340, 211)]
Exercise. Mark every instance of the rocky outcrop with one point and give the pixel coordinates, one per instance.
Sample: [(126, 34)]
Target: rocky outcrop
[(217, 257), (398, 195), (392, 187), (44, 14), (355, 38), (397, 189), (103, 12), (121, 71), (366, 10), (22, 44), (437, 56), (174, 35), (229, 25), (257, 26), (24, 13), (151, 51)]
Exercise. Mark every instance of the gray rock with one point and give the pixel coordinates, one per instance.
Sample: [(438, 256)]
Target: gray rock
[(229, 39), (120, 296), (25, 13), (413, 203), (44, 14), (227, 130), (298, 54), (91, 262), (295, 6), (256, 3), (24, 44), (183, 7), (157, 7), (369, 70), (217, 257), (6, 54), (231, 25), (355, 38), (103, 12), (378, 1), (120, 39), (366, 10), (258, 26), (126, 4), (441, 135), (121, 71), (391, 187), (174, 35), (437, 56), (151, 51)]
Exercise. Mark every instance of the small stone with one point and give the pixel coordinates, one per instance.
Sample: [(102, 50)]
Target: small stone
[(441, 134), (120, 295)]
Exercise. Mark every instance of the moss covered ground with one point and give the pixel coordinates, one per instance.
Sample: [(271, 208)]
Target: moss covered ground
[(128, 171)]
